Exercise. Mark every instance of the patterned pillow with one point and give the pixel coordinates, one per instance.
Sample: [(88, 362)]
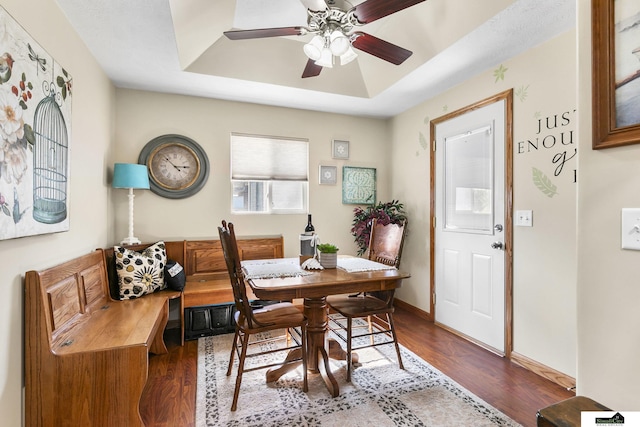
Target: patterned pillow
[(140, 273)]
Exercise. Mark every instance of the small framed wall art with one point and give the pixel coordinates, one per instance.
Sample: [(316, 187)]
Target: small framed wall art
[(358, 185), (327, 175), (340, 149)]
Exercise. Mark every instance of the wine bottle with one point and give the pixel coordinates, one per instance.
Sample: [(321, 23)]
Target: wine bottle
[(309, 228)]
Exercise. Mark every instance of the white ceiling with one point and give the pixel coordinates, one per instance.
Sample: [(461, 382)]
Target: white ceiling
[(177, 46)]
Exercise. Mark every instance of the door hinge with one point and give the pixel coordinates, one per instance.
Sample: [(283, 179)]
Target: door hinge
[(433, 223), (434, 297), (434, 146)]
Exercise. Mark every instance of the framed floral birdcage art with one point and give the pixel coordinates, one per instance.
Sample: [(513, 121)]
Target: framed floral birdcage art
[(35, 131), (616, 72), (358, 185)]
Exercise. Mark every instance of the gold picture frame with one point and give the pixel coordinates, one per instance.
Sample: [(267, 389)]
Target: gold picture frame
[(616, 73)]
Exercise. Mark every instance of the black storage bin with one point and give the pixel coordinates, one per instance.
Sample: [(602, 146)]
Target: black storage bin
[(209, 320)]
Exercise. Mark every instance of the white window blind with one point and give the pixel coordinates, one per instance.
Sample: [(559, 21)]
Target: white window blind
[(269, 175), (269, 158)]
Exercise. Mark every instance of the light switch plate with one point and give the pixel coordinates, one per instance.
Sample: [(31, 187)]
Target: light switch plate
[(630, 237), (524, 218)]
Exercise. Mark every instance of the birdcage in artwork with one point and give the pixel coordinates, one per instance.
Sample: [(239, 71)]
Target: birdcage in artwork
[(50, 157)]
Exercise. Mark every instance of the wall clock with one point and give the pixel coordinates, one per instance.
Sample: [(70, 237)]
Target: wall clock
[(178, 166)]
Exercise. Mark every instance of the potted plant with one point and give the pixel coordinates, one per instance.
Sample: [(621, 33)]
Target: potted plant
[(327, 255), (385, 213)]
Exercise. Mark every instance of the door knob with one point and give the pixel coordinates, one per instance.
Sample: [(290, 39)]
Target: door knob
[(497, 245)]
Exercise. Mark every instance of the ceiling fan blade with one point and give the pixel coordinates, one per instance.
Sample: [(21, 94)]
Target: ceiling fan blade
[(311, 70), (372, 10), (380, 48), (265, 32), (314, 5)]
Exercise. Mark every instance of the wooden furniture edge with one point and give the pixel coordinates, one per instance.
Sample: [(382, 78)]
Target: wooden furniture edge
[(568, 412)]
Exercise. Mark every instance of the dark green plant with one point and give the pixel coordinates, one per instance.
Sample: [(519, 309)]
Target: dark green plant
[(327, 248), (385, 213)]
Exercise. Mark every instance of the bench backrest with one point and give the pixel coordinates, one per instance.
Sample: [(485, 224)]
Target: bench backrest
[(67, 293), (201, 258)]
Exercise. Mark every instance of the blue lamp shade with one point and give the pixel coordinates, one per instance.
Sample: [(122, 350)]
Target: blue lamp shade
[(130, 175)]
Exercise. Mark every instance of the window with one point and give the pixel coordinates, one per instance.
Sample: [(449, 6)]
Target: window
[(269, 174)]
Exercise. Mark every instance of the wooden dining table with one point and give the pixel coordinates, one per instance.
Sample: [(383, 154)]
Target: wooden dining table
[(314, 289)]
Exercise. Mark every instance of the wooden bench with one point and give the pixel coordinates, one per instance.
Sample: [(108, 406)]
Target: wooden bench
[(208, 297), (86, 355), (86, 352), (207, 277)]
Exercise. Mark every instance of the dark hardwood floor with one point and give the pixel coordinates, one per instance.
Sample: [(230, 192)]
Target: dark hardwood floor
[(169, 397)]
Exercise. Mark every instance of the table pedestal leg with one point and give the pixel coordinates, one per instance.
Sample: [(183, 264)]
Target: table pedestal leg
[(336, 352), (315, 309), (274, 374)]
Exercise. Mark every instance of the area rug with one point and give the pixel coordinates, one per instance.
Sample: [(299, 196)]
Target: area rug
[(380, 394)]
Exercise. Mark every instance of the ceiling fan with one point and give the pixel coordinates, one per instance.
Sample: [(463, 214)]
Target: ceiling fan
[(332, 25)]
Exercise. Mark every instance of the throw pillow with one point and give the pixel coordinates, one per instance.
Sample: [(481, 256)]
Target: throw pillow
[(140, 273), (174, 275)]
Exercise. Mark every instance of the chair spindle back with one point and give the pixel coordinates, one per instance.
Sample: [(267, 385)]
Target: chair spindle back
[(236, 275)]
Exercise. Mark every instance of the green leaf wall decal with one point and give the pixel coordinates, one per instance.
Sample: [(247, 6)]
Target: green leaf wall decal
[(543, 183), (522, 93), (498, 73), (423, 142)]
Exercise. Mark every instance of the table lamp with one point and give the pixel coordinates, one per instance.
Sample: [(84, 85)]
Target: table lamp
[(131, 176)]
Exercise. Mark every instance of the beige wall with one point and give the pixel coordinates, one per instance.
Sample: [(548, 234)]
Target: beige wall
[(110, 126), (544, 255), (608, 277), (92, 128), (142, 116)]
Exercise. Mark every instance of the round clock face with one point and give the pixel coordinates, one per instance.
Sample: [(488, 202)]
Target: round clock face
[(178, 166), (174, 166)]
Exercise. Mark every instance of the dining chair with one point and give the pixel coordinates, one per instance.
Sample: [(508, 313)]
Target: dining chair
[(385, 247), (285, 324)]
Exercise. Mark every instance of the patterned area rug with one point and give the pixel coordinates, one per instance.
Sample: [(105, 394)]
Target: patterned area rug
[(380, 394)]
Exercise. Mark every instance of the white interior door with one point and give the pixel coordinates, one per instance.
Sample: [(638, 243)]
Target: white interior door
[(470, 224)]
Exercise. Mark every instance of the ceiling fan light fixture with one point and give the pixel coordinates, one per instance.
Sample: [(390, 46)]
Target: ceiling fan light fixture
[(339, 43), (348, 56), (314, 48), (326, 58)]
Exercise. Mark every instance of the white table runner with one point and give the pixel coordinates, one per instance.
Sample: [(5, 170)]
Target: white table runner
[(270, 268), (355, 264)]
